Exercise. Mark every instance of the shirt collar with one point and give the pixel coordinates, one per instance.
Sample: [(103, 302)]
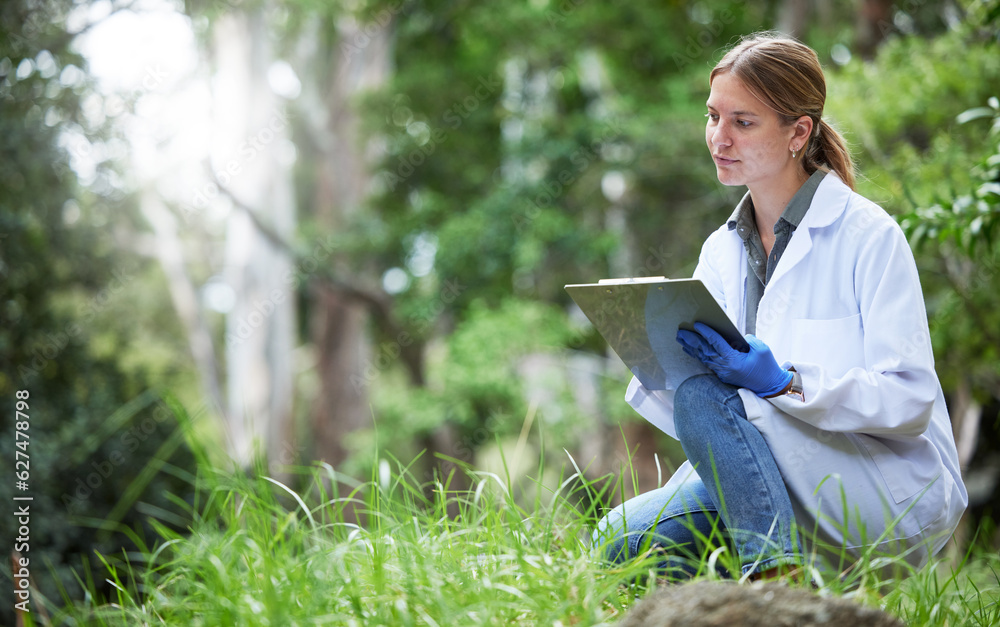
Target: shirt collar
[(742, 220)]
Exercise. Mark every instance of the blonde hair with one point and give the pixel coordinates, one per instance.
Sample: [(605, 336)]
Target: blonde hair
[(786, 76)]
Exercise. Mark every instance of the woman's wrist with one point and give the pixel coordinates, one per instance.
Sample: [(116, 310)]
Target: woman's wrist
[(785, 389), (794, 387)]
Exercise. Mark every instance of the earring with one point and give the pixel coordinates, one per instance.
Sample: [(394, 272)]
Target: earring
[(794, 152)]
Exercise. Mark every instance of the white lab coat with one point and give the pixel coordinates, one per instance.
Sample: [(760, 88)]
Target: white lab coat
[(845, 308)]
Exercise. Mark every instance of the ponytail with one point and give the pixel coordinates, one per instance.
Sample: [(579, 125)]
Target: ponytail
[(828, 149)]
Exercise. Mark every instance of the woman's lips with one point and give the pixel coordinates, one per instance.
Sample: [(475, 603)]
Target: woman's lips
[(723, 160)]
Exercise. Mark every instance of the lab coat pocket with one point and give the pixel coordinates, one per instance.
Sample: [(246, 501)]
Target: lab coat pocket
[(837, 344)]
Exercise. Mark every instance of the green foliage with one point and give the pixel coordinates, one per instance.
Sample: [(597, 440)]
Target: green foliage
[(502, 121), (483, 349), (95, 477), (92, 426), (474, 385), (967, 219), (910, 147), (961, 227)]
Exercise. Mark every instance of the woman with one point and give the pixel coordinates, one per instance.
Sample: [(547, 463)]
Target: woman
[(847, 443)]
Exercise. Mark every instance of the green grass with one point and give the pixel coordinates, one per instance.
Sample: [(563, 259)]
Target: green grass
[(398, 551), (389, 551)]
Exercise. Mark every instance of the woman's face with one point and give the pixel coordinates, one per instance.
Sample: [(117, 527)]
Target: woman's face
[(748, 141)]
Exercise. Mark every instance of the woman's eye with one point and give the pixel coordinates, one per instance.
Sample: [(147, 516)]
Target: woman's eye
[(743, 123), (713, 117)]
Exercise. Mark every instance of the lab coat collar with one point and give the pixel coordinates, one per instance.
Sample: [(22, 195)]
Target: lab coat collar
[(828, 204)]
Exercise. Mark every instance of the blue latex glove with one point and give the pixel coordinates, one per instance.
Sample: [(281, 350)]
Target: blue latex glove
[(756, 370)]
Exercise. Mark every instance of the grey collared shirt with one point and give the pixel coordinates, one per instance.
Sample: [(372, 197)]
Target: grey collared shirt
[(760, 266)]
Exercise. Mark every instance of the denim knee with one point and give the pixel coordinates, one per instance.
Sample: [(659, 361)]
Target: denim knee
[(698, 392), (607, 542), (678, 539), (702, 388)]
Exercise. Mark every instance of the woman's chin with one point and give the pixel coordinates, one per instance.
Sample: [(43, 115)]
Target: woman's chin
[(727, 178)]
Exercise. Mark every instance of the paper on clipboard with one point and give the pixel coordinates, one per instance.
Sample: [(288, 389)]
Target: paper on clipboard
[(639, 319)]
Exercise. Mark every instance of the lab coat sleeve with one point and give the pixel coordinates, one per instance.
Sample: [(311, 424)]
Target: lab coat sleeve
[(706, 270), (656, 406), (892, 395)]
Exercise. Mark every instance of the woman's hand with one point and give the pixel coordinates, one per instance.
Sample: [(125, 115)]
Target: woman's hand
[(756, 370)]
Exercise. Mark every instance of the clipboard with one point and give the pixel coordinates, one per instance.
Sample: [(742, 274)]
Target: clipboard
[(639, 319)]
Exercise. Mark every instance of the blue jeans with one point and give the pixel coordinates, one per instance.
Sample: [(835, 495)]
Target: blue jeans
[(742, 498)]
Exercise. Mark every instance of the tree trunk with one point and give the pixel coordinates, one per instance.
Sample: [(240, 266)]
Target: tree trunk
[(170, 254), (340, 334), (793, 17), (639, 437), (250, 146), (874, 23), (965, 417), (339, 320)]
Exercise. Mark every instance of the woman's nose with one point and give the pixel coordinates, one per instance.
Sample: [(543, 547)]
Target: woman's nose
[(720, 135)]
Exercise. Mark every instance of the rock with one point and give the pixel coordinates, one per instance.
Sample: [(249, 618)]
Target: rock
[(725, 604)]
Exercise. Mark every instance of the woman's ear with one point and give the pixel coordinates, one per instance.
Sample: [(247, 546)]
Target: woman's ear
[(803, 131)]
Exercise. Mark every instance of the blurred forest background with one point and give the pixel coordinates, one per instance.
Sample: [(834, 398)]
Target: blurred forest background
[(338, 231)]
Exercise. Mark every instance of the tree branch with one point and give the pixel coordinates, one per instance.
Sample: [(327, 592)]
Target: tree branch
[(378, 302), (183, 293)]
